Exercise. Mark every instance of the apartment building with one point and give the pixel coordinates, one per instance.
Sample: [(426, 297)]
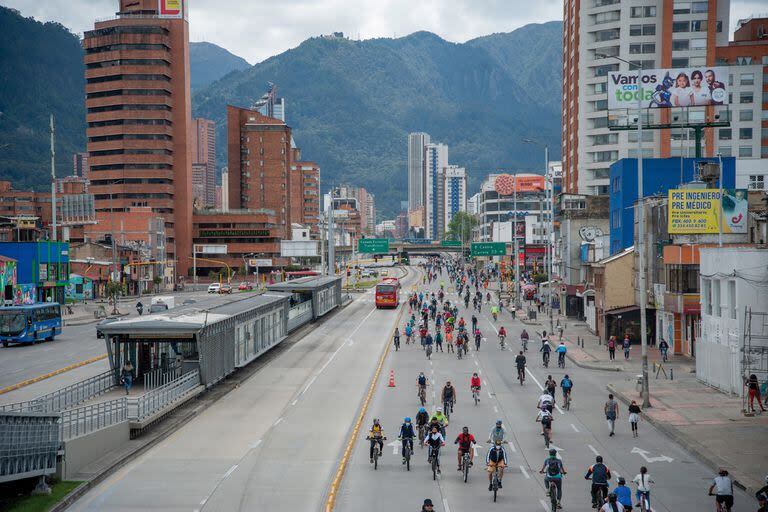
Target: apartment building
[(455, 192), (416, 144), (651, 34), (435, 162), (204, 161)]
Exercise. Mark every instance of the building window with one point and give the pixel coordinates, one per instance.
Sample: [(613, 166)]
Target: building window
[(706, 298), (679, 45), (746, 97), (745, 151), (683, 278), (756, 182), (697, 61), (681, 8), (745, 133), (605, 69), (645, 64), (699, 44), (699, 26), (681, 26), (725, 151), (648, 11), (642, 30), (606, 17), (602, 87), (642, 48), (680, 62), (747, 79), (606, 35), (724, 134), (745, 115), (732, 299), (647, 136), (744, 61), (699, 7)]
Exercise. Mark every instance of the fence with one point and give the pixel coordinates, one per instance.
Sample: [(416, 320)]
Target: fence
[(299, 315), (66, 397), (92, 417), (160, 376), (718, 366), (142, 407), (29, 443)]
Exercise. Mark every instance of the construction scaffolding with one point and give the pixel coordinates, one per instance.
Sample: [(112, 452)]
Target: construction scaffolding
[(754, 353)]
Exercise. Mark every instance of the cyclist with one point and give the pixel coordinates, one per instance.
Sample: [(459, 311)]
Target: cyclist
[(643, 482), (422, 418), (623, 494), (600, 475), (613, 504), (554, 470), (428, 344), (462, 323), (408, 333), (520, 364), (421, 383), (495, 312), (723, 487), (434, 440), (423, 334), (396, 338), (496, 459), (546, 401), (502, 335), (550, 385), (524, 339), (438, 340), (139, 308), (545, 350), (498, 433), (561, 350), (427, 506), (441, 420), (465, 440), (567, 385), (474, 384), (448, 395), (545, 418), (460, 341), (474, 323), (763, 491), (376, 435), (406, 435)]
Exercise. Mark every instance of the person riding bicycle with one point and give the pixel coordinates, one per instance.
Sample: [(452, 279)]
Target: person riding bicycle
[(545, 418), (600, 476), (520, 364), (496, 459), (524, 337), (613, 504), (474, 384), (474, 323), (406, 435), (428, 506), (502, 334), (546, 401), (434, 440), (545, 350), (567, 385), (440, 419), (497, 433), (478, 338), (376, 435), (408, 332), (643, 483), (449, 394), (465, 440), (723, 487), (495, 311), (421, 383), (553, 471), (550, 385), (561, 350), (462, 323), (422, 417), (396, 337), (623, 494)]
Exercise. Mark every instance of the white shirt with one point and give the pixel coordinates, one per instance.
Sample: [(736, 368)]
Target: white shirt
[(643, 482), (683, 95), (723, 485), (608, 508), (702, 96), (546, 398)]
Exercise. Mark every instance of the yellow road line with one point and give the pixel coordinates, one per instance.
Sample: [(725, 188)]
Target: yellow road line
[(330, 502), (48, 375)]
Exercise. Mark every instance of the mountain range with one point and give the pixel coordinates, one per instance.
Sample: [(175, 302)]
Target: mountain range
[(350, 103)]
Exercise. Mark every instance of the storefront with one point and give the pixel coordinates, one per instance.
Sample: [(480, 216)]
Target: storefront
[(42, 270)]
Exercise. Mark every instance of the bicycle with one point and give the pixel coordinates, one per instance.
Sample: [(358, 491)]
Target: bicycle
[(501, 342), (599, 497), (422, 434), (719, 506), (435, 461), (547, 436), (407, 448), (475, 395), (460, 352), (553, 496), (561, 360), (376, 451), (521, 375), (567, 400), (465, 465), (545, 359), (429, 351), (645, 502), (448, 408), (525, 344), (495, 483), (423, 395)]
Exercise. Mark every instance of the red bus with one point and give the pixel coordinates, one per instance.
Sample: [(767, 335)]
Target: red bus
[(295, 274), (388, 293)]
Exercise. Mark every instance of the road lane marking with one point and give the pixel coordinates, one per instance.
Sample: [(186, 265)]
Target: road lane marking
[(48, 375), (495, 409), (489, 394), (294, 402), (256, 444), (476, 364), (525, 473), (559, 409), (279, 420), (545, 505), (592, 449), (229, 472), (574, 428), (512, 446), (534, 378), (445, 505)]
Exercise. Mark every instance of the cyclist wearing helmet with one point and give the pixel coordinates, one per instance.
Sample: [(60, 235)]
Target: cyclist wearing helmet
[(624, 494), (496, 459), (406, 435), (376, 435), (553, 470), (600, 476), (465, 440), (613, 505), (440, 420), (545, 418), (498, 433)]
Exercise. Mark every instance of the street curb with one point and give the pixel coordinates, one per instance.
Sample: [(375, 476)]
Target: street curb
[(18, 385), (692, 446), (589, 366)]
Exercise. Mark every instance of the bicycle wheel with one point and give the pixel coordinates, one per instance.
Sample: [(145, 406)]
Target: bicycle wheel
[(434, 468), (495, 485), (476, 397), (376, 458), (546, 438), (465, 469), (599, 498), (553, 496)]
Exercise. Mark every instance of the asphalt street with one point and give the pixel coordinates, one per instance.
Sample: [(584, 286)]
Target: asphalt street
[(76, 343)]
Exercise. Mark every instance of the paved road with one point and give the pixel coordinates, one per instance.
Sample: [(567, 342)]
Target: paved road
[(579, 433), (76, 343), (273, 443)]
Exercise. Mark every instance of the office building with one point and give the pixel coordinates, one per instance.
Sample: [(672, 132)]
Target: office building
[(455, 192), (204, 161), (416, 145), (80, 165), (306, 204), (139, 119), (224, 189), (656, 34), (494, 207), (435, 162)]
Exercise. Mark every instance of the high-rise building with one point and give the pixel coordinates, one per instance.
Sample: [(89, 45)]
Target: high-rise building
[(259, 158), (204, 153), (224, 188), (455, 192), (80, 165), (139, 118), (416, 145), (651, 34), (435, 162), (306, 205)]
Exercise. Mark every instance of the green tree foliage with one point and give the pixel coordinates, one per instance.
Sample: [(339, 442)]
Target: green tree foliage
[(461, 226)]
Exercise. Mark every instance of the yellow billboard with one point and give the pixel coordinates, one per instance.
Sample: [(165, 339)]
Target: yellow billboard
[(697, 211)]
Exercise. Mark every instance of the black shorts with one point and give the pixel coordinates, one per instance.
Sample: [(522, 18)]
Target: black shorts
[(727, 499)]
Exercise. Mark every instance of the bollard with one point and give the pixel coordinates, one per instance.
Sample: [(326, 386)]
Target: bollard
[(671, 373)]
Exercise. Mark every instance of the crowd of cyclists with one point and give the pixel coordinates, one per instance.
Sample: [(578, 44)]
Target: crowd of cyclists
[(436, 324)]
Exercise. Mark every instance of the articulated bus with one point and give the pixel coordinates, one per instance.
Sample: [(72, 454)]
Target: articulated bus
[(30, 323), (388, 293)]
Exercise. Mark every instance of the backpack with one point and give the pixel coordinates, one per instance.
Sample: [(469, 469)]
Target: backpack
[(553, 467), (611, 344)]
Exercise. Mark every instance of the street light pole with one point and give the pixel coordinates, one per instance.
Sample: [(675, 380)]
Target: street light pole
[(720, 213), (551, 233)]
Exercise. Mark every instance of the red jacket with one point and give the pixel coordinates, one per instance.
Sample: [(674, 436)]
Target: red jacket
[(475, 382)]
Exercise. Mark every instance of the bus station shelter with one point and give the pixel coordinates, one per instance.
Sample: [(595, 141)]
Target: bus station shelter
[(319, 294)]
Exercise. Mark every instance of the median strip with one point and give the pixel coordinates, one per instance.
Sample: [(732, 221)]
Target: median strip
[(48, 375)]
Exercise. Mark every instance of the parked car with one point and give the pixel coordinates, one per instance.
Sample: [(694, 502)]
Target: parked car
[(214, 288), (225, 288), (368, 273), (158, 307), (385, 272), (245, 286)]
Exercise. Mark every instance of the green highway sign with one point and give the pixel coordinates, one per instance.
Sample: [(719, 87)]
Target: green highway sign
[(450, 243), (488, 249), (373, 245)]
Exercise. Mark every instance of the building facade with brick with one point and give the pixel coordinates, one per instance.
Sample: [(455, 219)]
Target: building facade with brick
[(204, 161), (305, 202)]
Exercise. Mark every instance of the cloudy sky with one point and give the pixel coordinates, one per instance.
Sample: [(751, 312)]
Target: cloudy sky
[(257, 29)]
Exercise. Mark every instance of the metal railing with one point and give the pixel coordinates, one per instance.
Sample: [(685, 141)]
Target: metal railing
[(66, 397), (90, 418), (160, 377), (299, 315), (144, 406), (29, 443)]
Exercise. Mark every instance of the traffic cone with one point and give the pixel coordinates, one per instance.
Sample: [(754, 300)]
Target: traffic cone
[(391, 378)]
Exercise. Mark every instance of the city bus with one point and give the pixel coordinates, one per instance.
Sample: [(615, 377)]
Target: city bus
[(30, 323), (388, 293)]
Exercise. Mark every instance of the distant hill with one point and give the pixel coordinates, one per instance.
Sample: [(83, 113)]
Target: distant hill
[(209, 62), (351, 103)]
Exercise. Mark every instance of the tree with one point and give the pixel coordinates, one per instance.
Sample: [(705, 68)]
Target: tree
[(461, 226)]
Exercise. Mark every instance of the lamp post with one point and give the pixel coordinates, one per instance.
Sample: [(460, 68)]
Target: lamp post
[(640, 242), (720, 213)]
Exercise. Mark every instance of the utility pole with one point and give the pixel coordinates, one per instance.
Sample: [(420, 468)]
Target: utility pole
[(720, 211), (53, 181), (518, 304), (331, 248), (551, 234)]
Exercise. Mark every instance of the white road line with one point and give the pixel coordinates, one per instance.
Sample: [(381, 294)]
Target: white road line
[(279, 420), (229, 472), (312, 381), (295, 402), (545, 505), (592, 448), (574, 428), (256, 444), (512, 446), (525, 473), (495, 409), (534, 378), (489, 394), (559, 409), (445, 505), (476, 364)]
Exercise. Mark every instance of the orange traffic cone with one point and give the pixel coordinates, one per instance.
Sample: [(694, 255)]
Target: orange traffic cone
[(391, 378)]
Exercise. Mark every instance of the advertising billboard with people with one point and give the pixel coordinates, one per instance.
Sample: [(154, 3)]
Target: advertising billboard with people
[(668, 88), (696, 211)]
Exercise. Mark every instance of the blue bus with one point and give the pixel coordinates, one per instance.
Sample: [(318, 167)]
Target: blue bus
[(30, 323)]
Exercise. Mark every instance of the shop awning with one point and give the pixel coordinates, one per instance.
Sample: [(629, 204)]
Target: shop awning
[(621, 311)]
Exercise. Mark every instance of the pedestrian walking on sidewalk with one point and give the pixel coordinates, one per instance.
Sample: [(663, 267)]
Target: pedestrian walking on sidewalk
[(611, 410), (612, 348), (626, 345), (127, 375), (754, 392), (634, 417), (663, 349)]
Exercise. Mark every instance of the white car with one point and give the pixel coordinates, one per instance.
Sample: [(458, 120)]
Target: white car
[(214, 287)]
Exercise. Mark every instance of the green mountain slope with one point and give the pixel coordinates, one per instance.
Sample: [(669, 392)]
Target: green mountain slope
[(209, 62), (352, 103)]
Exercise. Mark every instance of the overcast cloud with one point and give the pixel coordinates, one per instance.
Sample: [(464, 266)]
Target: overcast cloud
[(256, 30)]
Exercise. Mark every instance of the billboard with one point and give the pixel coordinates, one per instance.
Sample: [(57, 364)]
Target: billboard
[(502, 231), (667, 88), (170, 9), (697, 211), (505, 184)]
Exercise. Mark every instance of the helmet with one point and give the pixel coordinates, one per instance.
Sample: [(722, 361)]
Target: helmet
[(465, 429), (407, 419), (375, 420), (552, 452), (599, 458), (439, 409), (421, 409), (498, 423), (622, 481)]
